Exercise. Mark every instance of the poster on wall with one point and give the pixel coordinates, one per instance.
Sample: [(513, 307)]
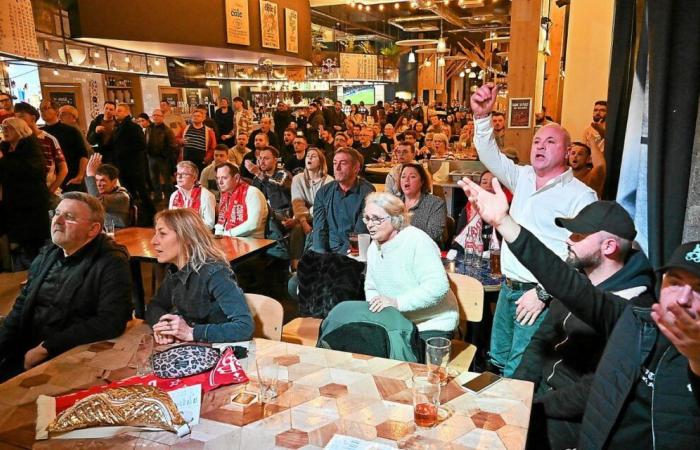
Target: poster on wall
[(237, 22), (519, 112), (63, 98), (269, 25), (291, 29), (17, 32), (358, 67)]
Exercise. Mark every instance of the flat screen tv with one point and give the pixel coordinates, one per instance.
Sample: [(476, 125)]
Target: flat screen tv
[(357, 94), (186, 73)]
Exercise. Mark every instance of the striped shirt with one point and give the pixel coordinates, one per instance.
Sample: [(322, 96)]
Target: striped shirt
[(196, 138), (51, 150)]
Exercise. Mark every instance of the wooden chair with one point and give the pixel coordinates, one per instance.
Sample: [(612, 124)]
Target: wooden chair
[(302, 330), (267, 314), (470, 299)]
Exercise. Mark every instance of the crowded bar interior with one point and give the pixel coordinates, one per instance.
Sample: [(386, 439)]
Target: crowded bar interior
[(350, 224)]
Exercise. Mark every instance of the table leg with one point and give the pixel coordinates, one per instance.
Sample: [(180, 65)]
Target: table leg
[(138, 295)]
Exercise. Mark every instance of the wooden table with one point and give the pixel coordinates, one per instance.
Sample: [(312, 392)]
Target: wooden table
[(138, 242), (322, 393)]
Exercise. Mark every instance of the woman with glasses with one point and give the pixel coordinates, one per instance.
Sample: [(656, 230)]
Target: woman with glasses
[(428, 211), (199, 299), (440, 143), (404, 269), (190, 194), (25, 198)]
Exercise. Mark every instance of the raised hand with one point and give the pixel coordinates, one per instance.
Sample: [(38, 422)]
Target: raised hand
[(492, 208), (483, 99), (94, 162)]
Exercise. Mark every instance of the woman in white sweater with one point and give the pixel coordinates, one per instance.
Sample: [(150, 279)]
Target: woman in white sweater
[(404, 269)]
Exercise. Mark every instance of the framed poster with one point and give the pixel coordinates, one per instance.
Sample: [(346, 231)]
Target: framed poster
[(291, 30), (237, 22), (519, 112), (63, 98), (269, 25)]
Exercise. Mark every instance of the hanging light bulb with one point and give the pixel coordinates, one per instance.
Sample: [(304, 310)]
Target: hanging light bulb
[(461, 74), (367, 8), (381, 7), (396, 6), (157, 62), (352, 4), (411, 57), (96, 54), (446, 2), (472, 75), (126, 59), (442, 44), (473, 64), (414, 5), (441, 61), (55, 72)]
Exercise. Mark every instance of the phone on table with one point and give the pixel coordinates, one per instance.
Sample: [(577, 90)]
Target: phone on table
[(481, 382)]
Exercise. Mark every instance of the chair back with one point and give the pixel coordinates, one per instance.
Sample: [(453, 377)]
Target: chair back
[(268, 315), (133, 214), (470, 297)]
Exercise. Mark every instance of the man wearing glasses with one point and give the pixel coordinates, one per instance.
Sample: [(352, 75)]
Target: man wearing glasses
[(190, 194), (78, 290), (5, 106)]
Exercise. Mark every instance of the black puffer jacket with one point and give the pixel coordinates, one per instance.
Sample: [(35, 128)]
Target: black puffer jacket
[(675, 410), (96, 295), (564, 352)]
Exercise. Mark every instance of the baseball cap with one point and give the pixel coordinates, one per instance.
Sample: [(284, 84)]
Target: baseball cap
[(685, 256), (601, 216)]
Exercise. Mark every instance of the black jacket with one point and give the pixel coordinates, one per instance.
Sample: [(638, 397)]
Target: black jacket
[(564, 352), (161, 142), (25, 197), (102, 141), (96, 298), (675, 404), (129, 146)]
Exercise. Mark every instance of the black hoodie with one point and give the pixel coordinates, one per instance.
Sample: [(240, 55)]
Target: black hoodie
[(564, 352)]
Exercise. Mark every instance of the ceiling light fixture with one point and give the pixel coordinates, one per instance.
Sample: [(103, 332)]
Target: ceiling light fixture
[(367, 8), (442, 44), (441, 61), (472, 75), (381, 7), (55, 72), (396, 6), (473, 64), (461, 74), (157, 62), (411, 57), (126, 59), (414, 5), (96, 54)]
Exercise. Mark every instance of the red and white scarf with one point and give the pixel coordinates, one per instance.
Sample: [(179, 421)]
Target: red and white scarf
[(233, 209), (194, 201)]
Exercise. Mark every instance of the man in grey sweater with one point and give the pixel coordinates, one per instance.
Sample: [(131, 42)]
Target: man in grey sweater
[(103, 182)]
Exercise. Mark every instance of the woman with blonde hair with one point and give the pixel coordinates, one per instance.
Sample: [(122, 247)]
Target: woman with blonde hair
[(199, 299), (404, 269), (440, 143)]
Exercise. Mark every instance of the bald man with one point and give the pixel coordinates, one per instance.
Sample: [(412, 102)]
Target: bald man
[(265, 128), (542, 191)]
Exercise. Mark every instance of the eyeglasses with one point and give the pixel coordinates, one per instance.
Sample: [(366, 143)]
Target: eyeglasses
[(183, 174), (376, 221), (68, 217)]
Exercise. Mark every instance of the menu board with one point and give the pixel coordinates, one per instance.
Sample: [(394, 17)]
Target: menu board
[(186, 73), (296, 73), (358, 67), (269, 25), (237, 22), (63, 98), (291, 29), (519, 112), (17, 35)]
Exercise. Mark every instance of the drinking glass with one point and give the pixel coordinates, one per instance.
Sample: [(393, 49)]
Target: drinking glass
[(109, 228), (437, 355), (426, 399), (268, 371), (143, 355), (354, 243)]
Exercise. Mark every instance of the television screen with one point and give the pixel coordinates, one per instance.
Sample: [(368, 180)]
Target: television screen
[(357, 94), (186, 73)]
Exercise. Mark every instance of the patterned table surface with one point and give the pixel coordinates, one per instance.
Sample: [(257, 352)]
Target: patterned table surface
[(322, 393)]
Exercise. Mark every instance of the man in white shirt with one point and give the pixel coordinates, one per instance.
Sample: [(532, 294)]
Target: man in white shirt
[(541, 192), (190, 194), (242, 207)]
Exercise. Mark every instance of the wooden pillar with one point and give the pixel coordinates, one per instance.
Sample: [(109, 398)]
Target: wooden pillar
[(525, 67), (554, 83)]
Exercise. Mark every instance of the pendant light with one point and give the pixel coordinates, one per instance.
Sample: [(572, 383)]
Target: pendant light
[(411, 57), (441, 61)]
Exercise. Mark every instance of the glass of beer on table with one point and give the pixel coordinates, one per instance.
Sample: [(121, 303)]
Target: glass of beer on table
[(426, 399)]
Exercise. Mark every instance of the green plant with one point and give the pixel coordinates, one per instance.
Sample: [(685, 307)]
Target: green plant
[(391, 51)]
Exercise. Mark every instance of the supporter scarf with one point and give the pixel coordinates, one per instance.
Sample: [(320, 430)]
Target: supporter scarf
[(193, 202), (470, 236), (233, 209)]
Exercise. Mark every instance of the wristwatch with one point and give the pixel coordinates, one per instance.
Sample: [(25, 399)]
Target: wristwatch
[(543, 295)]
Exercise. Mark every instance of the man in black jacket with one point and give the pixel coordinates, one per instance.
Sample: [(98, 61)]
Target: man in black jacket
[(162, 150), (78, 290), (129, 146), (100, 132), (646, 389), (564, 352)]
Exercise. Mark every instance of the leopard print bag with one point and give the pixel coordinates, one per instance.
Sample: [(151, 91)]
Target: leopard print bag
[(184, 361)]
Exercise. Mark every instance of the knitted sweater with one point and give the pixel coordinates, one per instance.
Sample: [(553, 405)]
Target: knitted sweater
[(303, 196), (408, 268)]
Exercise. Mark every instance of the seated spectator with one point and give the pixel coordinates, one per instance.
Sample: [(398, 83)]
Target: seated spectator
[(418, 133), (404, 269), (371, 152), (428, 149), (388, 139), (404, 154), (304, 188), (645, 389), (266, 130), (242, 207), (238, 152), (564, 352), (275, 184), (103, 182), (24, 202), (190, 194), (428, 211), (588, 165), (78, 290), (338, 205), (287, 148), (250, 160), (208, 176), (441, 144), (199, 299), (296, 162)]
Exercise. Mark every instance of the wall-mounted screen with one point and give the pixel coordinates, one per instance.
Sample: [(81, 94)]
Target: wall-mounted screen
[(357, 94)]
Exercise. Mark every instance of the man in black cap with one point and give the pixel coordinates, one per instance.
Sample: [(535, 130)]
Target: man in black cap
[(646, 389), (564, 352)]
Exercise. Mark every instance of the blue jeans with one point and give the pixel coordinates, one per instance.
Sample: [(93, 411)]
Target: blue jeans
[(509, 338)]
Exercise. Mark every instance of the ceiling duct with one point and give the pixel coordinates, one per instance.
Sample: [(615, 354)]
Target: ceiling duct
[(424, 23)]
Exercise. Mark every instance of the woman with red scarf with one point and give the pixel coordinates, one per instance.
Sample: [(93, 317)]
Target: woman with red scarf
[(190, 194)]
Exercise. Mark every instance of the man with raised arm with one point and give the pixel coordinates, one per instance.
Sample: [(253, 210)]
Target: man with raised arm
[(541, 192)]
